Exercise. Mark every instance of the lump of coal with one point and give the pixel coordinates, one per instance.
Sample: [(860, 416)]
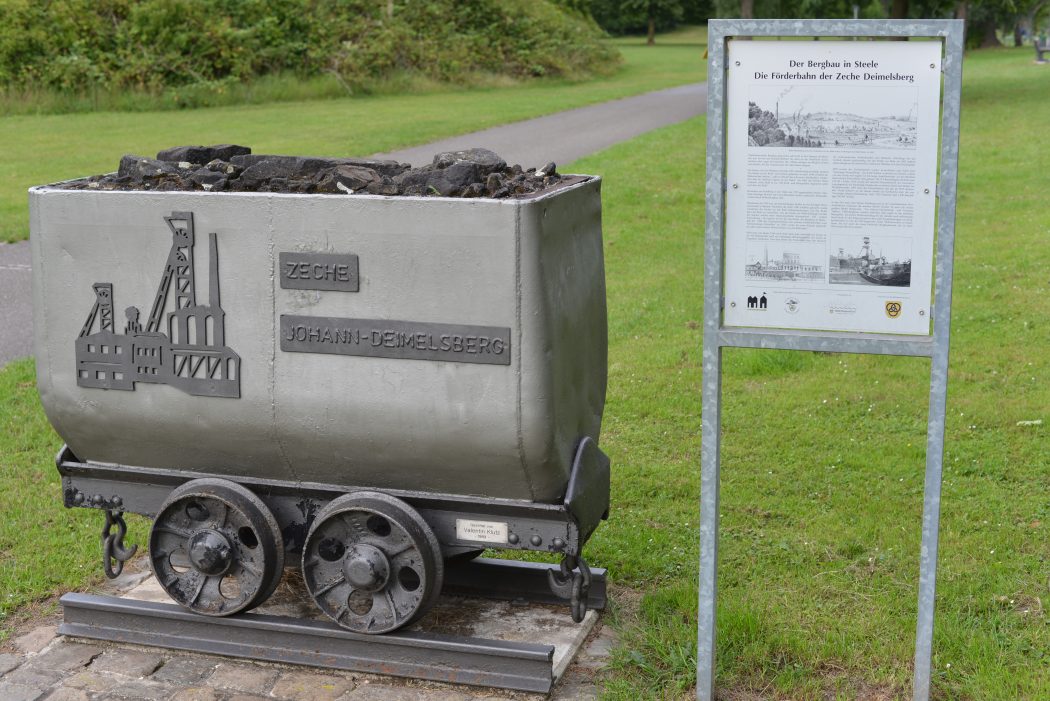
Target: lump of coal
[(139, 168), (475, 172), (202, 154), (484, 160)]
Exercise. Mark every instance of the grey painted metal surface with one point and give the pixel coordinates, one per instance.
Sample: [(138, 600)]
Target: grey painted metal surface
[(497, 663), (16, 316), (565, 136), (533, 266), (716, 337)]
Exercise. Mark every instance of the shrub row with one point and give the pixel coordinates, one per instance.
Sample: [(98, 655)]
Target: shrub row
[(84, 45)]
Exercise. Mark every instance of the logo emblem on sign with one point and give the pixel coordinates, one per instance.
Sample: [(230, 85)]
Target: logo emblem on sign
[(791, 305), (893, 309)]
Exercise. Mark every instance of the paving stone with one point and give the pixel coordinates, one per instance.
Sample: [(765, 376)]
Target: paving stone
[(184, 670), (17, 692), (35, 640), (309, 686), (89, 680), (249, 697), (601, 647), (242, 677), (130, 663), (9, 662), (575, 692), (64, 693), (382, 692), (65, 657), (139, 689), (197, 693), (28, 675)]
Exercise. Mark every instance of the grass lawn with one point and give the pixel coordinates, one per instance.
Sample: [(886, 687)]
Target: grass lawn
[(823, 454), (48, 148)]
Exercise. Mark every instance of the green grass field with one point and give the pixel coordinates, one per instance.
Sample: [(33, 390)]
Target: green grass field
[(823, 454), (48, 148)]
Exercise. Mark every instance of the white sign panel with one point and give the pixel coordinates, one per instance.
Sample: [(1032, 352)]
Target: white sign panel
[(481, 531), (831, 171)]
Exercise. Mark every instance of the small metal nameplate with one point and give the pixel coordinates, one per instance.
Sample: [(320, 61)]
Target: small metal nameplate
[(409, 340), (319, 271), (481, 531)]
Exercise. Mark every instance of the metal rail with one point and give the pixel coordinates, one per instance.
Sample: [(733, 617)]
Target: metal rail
[(518, 666), (430, 656)]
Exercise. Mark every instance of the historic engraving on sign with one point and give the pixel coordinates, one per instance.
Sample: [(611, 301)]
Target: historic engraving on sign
[(319, 271), (408, 340)]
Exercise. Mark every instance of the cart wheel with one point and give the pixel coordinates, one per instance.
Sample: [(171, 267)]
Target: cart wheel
[(216, 548), (371, 563)]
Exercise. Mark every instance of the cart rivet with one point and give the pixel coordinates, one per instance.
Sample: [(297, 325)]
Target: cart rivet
[(735, 186), (558, 543), (738, 63), (926, 190), (922, 312), (933, 65), (732, 304), (513, 538), (536, 540)]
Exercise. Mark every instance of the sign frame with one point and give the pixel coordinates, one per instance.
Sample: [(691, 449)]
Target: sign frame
[(717, 336)]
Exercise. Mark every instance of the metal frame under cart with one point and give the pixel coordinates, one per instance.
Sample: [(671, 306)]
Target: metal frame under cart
[(718, 335)]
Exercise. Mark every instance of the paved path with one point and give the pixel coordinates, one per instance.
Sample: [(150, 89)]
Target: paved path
[(561, 137), (565, 136)]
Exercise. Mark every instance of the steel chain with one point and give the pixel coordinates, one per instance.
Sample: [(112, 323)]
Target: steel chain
[(113, 548)]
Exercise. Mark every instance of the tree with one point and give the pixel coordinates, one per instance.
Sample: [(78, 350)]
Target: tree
[(655, 11)]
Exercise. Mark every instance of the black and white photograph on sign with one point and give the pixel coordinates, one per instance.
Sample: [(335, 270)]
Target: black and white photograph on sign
[(869, 260), (784, 261), (831, 170), (827, 116)]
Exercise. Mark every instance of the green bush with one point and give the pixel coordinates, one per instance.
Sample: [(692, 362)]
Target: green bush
[(204, 45)]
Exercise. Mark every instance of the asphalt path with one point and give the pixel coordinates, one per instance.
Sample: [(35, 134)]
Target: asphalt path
[(562, 138)]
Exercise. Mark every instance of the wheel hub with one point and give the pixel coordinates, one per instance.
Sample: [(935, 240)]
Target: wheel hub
[(366, 567), (210, 552)]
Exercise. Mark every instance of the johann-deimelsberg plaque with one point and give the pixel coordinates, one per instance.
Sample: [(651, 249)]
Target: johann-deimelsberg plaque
[(831, 172)]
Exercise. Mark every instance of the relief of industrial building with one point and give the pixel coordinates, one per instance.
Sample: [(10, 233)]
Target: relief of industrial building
[(191, 356)]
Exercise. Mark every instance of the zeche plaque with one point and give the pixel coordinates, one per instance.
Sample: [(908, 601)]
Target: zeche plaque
[(319, 271)]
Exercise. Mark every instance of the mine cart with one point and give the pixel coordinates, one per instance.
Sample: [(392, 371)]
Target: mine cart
[(363, 387)]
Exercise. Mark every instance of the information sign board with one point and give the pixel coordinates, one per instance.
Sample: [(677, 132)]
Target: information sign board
[(831, 157), (830, 202)]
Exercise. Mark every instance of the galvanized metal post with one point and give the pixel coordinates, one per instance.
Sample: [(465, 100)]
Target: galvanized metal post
[(716, 337), (931, 509), (711, 399)]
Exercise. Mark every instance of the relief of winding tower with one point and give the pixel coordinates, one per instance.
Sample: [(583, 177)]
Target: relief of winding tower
[(190, 353)]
